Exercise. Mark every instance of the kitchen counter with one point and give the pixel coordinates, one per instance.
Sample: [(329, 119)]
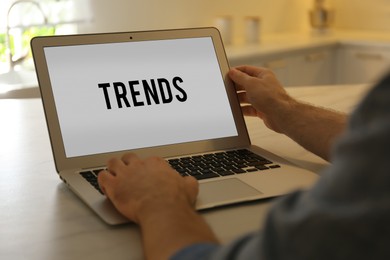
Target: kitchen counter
[(286, 43), (282, 45), (330, 58)]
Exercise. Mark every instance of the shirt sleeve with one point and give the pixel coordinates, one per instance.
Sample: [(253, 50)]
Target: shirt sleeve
[(196, 251), (246, 247)]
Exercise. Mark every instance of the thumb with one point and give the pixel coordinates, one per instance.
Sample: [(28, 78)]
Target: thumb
[(240, 78), (192, 188)]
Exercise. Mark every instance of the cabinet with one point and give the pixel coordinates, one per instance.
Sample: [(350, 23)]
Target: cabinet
[(339, 63), (362, 64), (277, 63), (312, 66)]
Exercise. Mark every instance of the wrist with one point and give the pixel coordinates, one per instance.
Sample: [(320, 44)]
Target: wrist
[(281, 112), (287, 113), (168, 228), (150, 207)]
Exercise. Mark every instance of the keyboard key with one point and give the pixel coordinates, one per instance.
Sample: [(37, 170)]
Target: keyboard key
[(226, 173), (262, 167), (238, 171), (206, 176), (252, 170), (194, 173)]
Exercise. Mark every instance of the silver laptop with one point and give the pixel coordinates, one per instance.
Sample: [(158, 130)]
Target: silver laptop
[(162, 93)]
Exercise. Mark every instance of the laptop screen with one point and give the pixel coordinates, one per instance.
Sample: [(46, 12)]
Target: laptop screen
[(121, 96)]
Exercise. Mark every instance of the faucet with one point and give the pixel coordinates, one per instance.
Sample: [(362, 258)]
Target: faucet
[(12, 62)]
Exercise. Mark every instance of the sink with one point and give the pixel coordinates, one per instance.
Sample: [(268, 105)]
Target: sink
[(13, 80)]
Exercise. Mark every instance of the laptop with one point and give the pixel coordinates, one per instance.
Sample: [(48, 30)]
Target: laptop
[(163, 93)]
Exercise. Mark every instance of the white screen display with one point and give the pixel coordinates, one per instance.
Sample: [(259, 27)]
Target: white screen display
[(122, 96)]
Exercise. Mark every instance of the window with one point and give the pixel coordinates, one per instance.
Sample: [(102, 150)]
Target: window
[(23, 19)]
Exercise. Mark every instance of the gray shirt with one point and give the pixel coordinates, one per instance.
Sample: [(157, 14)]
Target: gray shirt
[(346, 215)]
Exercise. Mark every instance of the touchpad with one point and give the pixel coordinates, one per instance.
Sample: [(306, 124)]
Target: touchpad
[(223, 192)]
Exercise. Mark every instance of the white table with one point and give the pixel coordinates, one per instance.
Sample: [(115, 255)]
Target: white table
[(40, 218)]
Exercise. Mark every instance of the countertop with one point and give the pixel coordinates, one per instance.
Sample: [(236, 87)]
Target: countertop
[(271, 44)]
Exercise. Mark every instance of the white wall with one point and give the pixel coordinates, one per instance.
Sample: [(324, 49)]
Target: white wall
[(126, 15), (373, 15), (277, 15)]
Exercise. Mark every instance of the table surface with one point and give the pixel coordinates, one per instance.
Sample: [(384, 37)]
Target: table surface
[(42, 219)]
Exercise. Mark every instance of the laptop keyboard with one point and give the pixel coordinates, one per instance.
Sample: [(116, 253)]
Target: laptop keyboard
[(207, 166), (91, 177), (221, 164)]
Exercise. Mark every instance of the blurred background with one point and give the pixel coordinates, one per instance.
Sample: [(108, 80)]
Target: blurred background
[(21, 20)]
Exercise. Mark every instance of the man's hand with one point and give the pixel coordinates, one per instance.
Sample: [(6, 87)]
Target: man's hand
[(261, 94), (140, 187), (150, 193)]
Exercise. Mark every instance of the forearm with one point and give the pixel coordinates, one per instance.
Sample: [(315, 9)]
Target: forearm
[(314, 128), (262, 95), (170, 230)]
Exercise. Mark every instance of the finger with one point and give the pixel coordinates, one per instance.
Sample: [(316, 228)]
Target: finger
[(192, 188), (248, 110), (253, 71), (105, 180), (242, 79), (156, 162), (115, 165), (237, 86), (243, 98), (128, 158)]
